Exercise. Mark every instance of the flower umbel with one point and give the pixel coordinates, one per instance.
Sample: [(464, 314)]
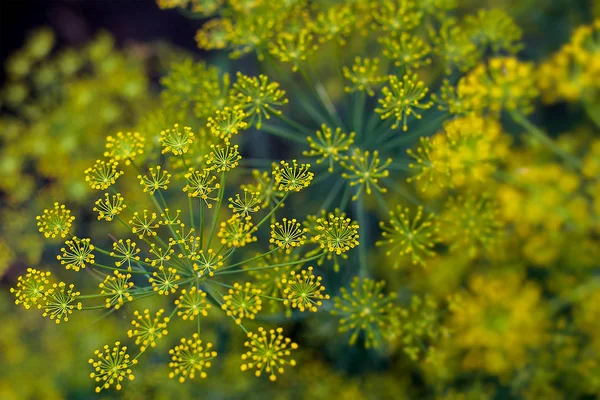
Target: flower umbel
[(242, 302), (60, 301), (55, 222), (111, 366), (294, 177), (189, 358), (304, 290), (268, 352), (78, 255), (411, 237), (176, 141), (147, 330)]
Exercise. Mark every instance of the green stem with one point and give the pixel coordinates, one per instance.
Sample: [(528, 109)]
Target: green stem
[(216, 212), (271, 266), (358, 114), (282, 133), (538, 134), (262, 221), (117, 269), (362, 232), (304, 129), (249, 260)]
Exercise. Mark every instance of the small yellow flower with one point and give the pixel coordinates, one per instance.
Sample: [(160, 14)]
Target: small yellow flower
[(365, 171), (127, 251), (144, 226), (207, 262), (60, 301), (109, 207), (157, 179), (201, 184), (304, 290), (237, 231), (227, 122), (329, 145), (147, 330), (292, 178), (165, 280), (336, 233), (117, 287), (364, 75), (124, 146), (103, 174), (78, 255), (111, 366), (31, 287), (288, 234), (190, 357), (55, 222), (242, 302), (268, 352), (249, 204), (365, 308), (223, 159), (258, 97), (192, 303), (176, 141), (402, 98)]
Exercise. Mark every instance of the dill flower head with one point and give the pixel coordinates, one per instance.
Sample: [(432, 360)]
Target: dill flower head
[(223, 159), (55, 222), (470, 223), (60, 301), (126, 251), (287, 234), (505, 83), (190, 357), (110, 206), (466, 151), (329, 145), (258, 97), (268, 352), (364, 308), (454, 45), (406, 236), (404, 49), (117, 288), (147, 330), (31, 287), (242, 302), (336, 233), (201, 184), (160, 255), (365, 171), (294, 47), (292, 178), (402, 99), (495, 29), (207, 262), (497, 321), (176, 141), (156, 179), (103, 174), (265, 186), (192, 303), (79, 254), (227, 122), (111, 367), (250, 203), (395, 15), (165, 280), (304, 290), (145, 225), (214, 34), (334, 23), (124, 146), (237, 231), (364, 75)]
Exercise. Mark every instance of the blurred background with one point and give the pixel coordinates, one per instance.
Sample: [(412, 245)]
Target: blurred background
[(125, 47)]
